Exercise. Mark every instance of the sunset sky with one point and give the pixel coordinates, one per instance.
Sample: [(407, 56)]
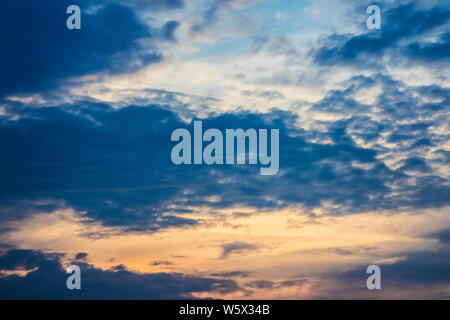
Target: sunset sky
[(86, 176)]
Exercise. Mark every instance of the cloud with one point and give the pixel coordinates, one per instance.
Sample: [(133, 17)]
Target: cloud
[(169, 29), (210, 14), (119, 170), (439, 50), (404, 278), (161, 263), (115, 164), (155, 4), (24, 259), (349, 150), (401, 28), (261, 284), (266, 284), (269, 95), (47, 280), (237, 247), (340, 251), (40, 53), (415, 164), (231, 274), (81, 256), (443, 236)]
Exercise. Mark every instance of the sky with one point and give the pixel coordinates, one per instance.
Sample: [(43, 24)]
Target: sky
[(86, 176)]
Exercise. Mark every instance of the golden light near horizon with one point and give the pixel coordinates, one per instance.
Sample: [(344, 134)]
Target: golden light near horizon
[(283, 244)]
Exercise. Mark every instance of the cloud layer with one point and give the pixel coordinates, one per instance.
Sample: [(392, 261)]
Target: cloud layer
[(86, 118)]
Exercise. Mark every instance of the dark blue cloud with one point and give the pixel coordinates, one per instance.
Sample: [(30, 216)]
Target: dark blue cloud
[(169, 29), (423, 274), (24, 259), (115, 165), (443, 236), (421, 267), (81, 256), (39, 52), (48, 281), (401, 27), (118, 166), (439, 50), (415, 164), (413, 271)]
